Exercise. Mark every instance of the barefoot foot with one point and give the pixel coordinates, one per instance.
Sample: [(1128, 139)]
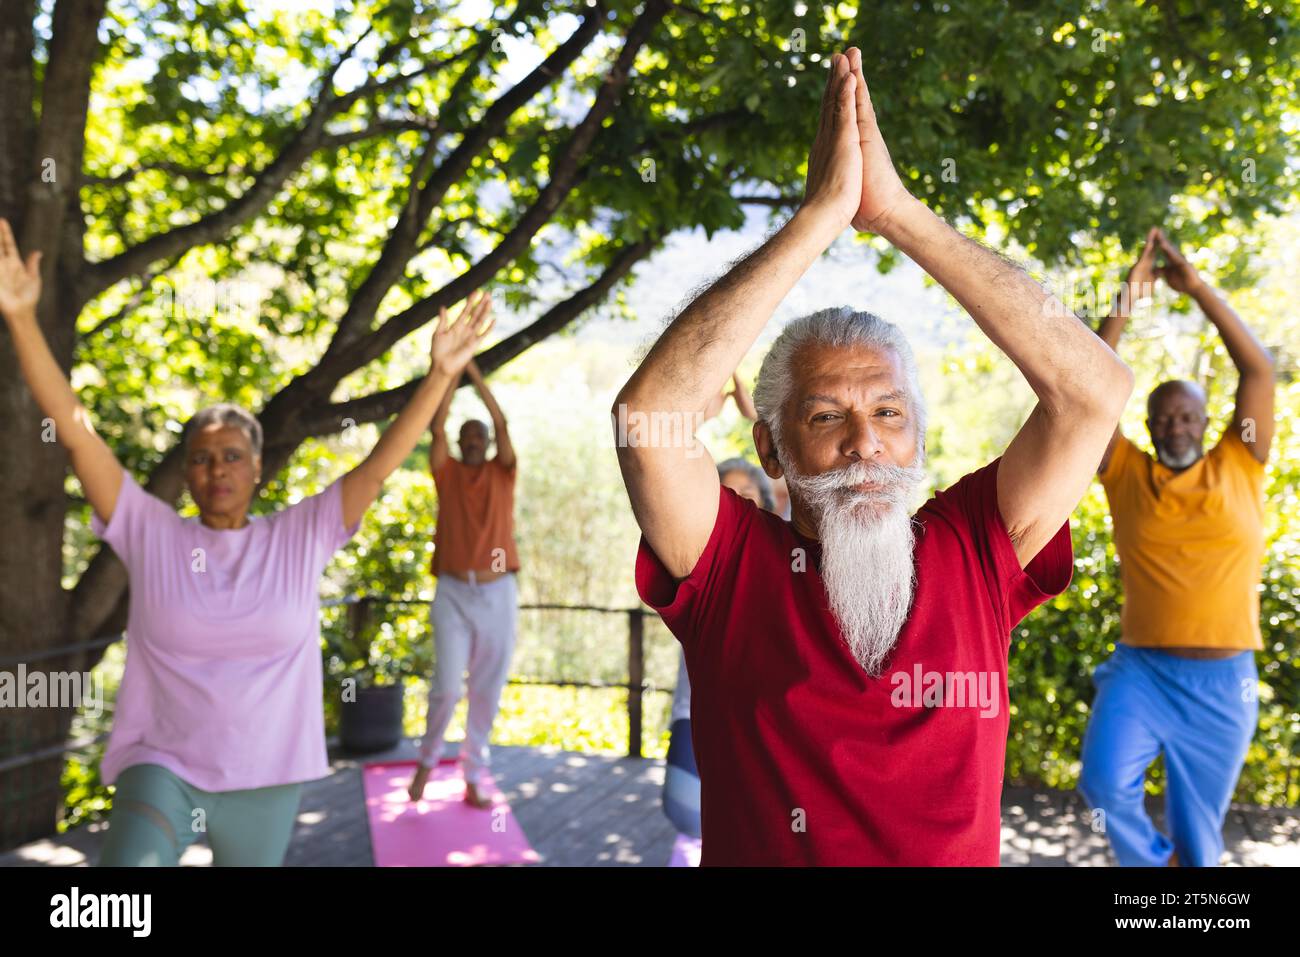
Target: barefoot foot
[(476, 795), (416, 790)]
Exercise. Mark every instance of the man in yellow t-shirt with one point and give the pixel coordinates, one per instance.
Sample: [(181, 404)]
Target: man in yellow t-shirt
[(1189, 532)]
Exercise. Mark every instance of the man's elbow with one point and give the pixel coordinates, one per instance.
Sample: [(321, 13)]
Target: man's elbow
[(1122, 383), (1103, 392), (626, 399), (628, 406), (647, 400), (1262, 368), (1110, 384)]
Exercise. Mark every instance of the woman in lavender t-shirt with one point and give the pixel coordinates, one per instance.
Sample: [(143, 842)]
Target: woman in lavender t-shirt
[(218, 719)]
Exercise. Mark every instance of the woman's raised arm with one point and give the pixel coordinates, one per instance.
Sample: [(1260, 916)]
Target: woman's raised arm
[(97, 468)]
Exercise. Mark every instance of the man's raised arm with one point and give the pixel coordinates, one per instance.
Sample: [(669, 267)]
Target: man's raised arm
[(505, 448), (1137, 285), (1080, 383), (1253, 415), (439, 447), (670, 480)]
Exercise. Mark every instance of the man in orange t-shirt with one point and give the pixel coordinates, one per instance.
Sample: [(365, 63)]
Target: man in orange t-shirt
[(475, 606), (1189, 532)]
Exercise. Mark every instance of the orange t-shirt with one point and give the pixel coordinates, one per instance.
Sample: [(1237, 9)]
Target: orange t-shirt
[(1190, 545), (476, 514)]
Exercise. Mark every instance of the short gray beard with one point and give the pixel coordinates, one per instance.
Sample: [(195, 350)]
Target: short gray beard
[(867, 543), (1169, 460)]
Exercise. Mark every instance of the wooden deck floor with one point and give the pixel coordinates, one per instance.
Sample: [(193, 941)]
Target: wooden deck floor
[(596, 810)]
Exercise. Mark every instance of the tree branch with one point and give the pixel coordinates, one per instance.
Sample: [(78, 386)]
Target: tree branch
[(164, 166), (380, 126), (373, 85), (133, 302), (266, 184), (564, 172), (403, 242), (380, 405)]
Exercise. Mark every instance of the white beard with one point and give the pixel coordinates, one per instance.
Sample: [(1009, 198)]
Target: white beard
[(867, 543)]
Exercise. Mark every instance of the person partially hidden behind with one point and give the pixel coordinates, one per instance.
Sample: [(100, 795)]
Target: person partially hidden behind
[(681, 776), (1189, 532)]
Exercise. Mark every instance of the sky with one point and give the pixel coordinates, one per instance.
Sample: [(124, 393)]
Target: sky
[(845, 276)]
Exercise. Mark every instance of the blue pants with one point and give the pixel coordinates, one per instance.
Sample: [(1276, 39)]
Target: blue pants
[(682, 781), (681, 776), (1201, 713)]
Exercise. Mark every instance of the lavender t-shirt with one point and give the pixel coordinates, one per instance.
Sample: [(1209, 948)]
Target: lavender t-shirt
[(223, 681)]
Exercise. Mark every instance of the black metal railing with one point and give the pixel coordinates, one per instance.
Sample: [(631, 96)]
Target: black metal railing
[(360, 609)]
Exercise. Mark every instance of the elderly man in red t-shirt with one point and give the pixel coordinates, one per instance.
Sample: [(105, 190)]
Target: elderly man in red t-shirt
[(849, 666)]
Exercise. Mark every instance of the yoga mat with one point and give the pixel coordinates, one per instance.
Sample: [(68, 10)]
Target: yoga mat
[(686, 852), (441, 830)]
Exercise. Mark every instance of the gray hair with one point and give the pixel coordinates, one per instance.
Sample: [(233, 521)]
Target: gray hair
[(226, 414), (754, 474), (839, 327)]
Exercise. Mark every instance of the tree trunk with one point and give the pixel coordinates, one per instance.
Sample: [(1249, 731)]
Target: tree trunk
[(34, 609), (33, 612)]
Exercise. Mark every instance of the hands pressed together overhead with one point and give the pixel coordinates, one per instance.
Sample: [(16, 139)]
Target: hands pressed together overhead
[(850, 173), (1176, 271)]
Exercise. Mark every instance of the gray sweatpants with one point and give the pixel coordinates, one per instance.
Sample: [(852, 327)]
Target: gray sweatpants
[(473, 629)]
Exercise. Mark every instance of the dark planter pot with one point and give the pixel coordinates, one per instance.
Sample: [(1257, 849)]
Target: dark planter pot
[(373, 722)]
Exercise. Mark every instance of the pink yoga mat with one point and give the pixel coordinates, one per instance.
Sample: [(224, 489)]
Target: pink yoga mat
[(686, 852), (442, 829)]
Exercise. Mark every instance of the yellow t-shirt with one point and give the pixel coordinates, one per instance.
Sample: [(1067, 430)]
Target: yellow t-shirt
[(1190, 544)]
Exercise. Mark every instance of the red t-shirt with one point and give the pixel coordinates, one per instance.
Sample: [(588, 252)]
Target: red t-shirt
[(803, 758)]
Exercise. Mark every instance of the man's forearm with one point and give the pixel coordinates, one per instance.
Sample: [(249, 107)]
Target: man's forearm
[(1060, 357), (1248, 353), (696, 355), (489, 400), (1113, 326)]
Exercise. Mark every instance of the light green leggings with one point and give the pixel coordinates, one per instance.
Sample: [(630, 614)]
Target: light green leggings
[(156, 816)]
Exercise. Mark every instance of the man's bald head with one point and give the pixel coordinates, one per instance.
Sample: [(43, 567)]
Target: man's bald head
[(1174, 387), (1176, 419)]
